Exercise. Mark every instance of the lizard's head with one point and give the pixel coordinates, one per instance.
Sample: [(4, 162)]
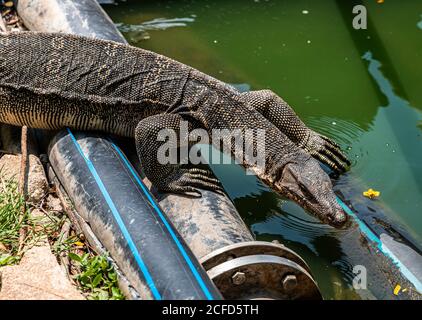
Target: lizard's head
[(308, 185)]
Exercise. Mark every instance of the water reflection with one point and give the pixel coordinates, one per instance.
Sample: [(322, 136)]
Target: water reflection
[(155, 24)]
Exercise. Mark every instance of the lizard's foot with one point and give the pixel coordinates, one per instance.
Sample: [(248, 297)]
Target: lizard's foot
[(327, 151), (280, 114), (190, 181), (170, 176)]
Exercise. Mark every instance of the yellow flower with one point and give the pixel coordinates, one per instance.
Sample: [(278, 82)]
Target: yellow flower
[(371, 193), (397, 290)]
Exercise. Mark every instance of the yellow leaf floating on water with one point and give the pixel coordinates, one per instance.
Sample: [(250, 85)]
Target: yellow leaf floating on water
[(380, 1), (397, 290), (371, 193), (8, 4)]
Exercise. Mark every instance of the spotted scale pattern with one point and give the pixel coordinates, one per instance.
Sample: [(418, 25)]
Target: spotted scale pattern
[(52, 81)]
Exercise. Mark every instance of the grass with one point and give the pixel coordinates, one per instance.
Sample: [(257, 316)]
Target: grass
[(11, 206)]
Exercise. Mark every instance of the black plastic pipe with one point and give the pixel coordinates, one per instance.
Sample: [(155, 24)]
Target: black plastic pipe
[(83, 17), (110, 195)]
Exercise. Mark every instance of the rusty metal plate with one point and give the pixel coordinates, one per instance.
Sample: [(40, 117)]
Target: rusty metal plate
[(264, 277)]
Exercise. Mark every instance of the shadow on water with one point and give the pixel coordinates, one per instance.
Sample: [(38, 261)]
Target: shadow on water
[(368, 39), (394, 140)]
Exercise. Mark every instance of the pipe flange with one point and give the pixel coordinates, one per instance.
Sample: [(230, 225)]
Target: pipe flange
[(264, 277), (250, 248)]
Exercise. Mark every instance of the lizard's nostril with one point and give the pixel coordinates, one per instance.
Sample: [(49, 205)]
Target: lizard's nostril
[(339, 218)]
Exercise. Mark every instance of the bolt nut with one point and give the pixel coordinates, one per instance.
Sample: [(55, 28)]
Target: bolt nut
[(239, 278), (289, 282)]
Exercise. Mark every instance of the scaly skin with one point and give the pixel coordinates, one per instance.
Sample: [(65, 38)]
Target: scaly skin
[(53, 81)]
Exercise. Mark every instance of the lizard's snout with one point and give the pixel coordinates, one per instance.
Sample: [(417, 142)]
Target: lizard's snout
[(309, 186)]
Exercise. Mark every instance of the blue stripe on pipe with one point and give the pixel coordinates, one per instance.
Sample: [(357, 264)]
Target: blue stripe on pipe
[(167, 225), (387, 252), (119, 220)]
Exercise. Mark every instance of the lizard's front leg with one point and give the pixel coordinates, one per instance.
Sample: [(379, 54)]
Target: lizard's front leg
[(277, 111), (286, 168), (158, 142)]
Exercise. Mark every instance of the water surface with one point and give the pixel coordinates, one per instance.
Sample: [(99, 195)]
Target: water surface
[(362, 88)]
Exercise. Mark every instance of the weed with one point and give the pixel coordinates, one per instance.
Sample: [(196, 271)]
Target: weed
[(11, 205), (97, 277)]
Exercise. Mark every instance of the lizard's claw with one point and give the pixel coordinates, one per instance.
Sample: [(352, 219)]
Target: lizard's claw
[(327, 151), (189, 181)]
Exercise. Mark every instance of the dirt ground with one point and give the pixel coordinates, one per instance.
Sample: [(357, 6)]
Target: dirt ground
[(38, 276)]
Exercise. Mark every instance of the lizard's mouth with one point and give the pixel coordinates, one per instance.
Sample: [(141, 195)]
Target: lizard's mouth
[(310, 187)]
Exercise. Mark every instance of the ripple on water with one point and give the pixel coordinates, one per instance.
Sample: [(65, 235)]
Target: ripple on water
[(344, 132), (293, 224)]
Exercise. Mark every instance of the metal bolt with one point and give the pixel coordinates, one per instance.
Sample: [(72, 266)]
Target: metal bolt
[(239, 278), (289, 282)]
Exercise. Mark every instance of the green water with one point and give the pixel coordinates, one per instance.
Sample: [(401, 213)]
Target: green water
[(363, 88)]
